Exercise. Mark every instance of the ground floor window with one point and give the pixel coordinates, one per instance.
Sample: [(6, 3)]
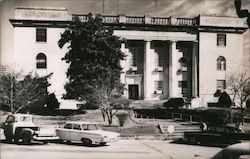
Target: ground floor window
[(158, 85), (183, 86)]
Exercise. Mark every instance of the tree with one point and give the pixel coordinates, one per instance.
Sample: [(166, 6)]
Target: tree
[(242, 13), (19, 92), (94, 64), (239, 85)]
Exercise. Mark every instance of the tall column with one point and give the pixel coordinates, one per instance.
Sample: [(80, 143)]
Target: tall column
[(173, 66), (123, 65), (148, 68), (195, 70)]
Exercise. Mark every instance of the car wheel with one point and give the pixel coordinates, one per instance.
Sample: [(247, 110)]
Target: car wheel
[(45, 142), (68, 141), (26, 137), (103, 143), (8, 139), (87, 142)]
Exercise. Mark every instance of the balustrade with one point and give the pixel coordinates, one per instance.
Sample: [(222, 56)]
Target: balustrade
[(160, 21), (142, 20), (134, 20)]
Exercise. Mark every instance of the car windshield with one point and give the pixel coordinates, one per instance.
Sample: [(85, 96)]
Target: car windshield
[(25, 118), (90, 127), (238, 130)]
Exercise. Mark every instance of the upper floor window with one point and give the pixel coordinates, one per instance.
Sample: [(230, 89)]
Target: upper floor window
[(134, 56), (41, 61), (221, 40), (221, 84), (221, 63), (159, 56), (41, 34)]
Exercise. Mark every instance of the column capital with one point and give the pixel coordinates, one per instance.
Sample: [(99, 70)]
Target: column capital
[(147, 40)]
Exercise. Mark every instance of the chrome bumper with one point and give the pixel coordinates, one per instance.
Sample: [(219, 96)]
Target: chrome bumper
[(39, 138)]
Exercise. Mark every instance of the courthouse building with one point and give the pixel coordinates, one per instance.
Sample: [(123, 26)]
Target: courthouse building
[(166, 56)]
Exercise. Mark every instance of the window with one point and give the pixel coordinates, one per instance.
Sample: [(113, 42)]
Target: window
[(25, 118), (10, 119), (41, 61), (68, 126), (77, 127), (221, 84), (221, 40), (159, 56), (41, 34), (92, 127), (221, 63), (183, 64), (134, 56), (183, 86), (158, 87)]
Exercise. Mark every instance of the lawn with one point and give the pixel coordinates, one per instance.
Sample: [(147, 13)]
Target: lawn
[(130, 128)]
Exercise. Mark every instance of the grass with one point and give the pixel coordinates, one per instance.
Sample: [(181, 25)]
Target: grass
[(129, 128)]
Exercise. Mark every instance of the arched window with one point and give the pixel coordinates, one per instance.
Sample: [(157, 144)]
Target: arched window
[(41, 61), (221, 63)]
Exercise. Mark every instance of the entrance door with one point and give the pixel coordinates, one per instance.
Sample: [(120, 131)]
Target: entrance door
[(133, 91)]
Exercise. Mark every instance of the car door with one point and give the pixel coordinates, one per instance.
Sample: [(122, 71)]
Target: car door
[(65, 132), (9, 125), (76, 134)]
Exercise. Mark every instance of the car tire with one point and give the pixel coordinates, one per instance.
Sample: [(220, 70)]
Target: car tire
[(86, 141), (103, 143), (26, 137), (8, 139), (68, 141), (45, 142)]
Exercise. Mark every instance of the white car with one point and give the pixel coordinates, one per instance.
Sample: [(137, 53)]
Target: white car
[(86, 132)]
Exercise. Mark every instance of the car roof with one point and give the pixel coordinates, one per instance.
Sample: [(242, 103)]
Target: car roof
[(79, 122), (234, 150), (243, 147)]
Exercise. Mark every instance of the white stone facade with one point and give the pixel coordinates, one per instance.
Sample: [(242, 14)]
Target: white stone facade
[(166, 57)]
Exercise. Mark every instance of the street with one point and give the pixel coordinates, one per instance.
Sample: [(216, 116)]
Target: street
[(123, 149)]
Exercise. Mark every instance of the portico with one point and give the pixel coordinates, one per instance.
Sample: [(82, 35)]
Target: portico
[(159, 65)]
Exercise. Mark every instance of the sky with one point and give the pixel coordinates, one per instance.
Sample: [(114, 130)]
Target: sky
[(182, 8), (160, 8)]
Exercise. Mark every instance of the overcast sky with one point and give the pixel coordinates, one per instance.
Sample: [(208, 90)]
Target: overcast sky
[(182, 8)]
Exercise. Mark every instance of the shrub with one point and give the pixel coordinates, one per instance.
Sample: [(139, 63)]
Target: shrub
[(224, 100), (174, 103), (122, 117)]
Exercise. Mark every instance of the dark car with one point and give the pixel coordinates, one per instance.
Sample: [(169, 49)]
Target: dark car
[(174, 103), (218, 135)]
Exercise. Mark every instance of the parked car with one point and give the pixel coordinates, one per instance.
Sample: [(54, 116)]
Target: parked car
[(236, 151), (217, 135), (174, 103), (88, 133), (21, 127)]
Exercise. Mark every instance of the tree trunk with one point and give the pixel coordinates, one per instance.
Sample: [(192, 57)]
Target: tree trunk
[(103, 115)]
